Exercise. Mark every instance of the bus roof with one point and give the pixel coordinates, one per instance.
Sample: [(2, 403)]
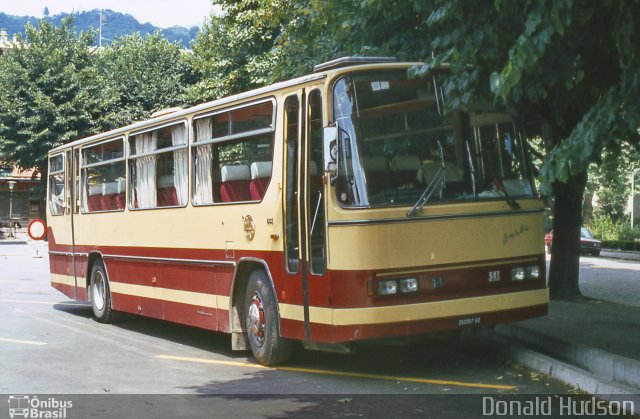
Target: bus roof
[(331, 72)]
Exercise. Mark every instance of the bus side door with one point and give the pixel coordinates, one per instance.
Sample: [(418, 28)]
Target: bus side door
[(305, 214)]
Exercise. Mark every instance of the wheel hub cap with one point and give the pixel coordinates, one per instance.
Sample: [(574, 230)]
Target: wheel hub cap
[(98, 291), (256, 318)]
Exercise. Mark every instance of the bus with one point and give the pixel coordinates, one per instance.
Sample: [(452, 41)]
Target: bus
[(342, 207)]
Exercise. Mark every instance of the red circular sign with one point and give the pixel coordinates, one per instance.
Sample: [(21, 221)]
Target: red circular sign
[(37, 229)]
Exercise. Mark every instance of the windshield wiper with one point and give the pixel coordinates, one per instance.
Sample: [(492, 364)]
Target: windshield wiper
[(437, 179), (500, 188), (472, 169)]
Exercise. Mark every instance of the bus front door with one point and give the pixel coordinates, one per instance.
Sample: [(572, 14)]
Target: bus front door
[(305, 228)]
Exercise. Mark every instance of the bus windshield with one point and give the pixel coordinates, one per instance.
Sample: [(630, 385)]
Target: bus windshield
[(397, 146)]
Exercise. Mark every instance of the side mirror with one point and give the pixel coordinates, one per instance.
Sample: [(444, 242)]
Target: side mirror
[(330, 150)]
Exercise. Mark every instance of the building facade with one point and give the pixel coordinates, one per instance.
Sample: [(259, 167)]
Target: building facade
[(22, 202)]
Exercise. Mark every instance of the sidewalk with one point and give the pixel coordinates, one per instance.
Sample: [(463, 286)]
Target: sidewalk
[(21, 237), (591, 344)]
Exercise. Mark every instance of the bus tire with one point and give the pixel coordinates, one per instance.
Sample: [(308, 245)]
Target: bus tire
[(100, 294), (263, 330)]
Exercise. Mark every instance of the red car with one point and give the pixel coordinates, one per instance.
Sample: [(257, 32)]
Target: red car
[(588, 244)]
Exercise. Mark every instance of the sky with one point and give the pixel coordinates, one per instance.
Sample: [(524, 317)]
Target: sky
[(161, 13)]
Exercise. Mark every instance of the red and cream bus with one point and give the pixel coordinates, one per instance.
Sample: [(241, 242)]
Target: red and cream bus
[(337, 207)]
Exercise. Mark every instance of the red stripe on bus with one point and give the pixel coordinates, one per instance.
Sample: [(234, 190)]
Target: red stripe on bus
[(191, 315)]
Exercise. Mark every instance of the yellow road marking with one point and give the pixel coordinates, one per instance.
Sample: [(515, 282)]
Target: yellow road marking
[(341, 373), (212, 361), (24, 342)]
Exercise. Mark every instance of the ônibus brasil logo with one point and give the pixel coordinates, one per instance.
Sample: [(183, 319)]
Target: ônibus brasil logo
[(33, 407)]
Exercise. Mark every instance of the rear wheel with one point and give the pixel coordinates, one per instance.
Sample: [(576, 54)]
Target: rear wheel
[(100, 294), (268, 347)]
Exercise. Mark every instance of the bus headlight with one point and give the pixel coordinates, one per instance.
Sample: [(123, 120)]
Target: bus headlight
[(387, 287), (517, 274), (533, 272), (409, 285)]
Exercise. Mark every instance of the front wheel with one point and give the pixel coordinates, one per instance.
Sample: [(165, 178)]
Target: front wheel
[(268, 347), (100, 294)]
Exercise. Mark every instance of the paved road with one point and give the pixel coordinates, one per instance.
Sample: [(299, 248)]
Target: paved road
[(612, 280), (609, 279), (49, 344)]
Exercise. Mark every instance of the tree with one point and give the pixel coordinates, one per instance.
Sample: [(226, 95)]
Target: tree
[(571, 65), (49, 94), (257, 43), (610, 182), (142, 75), (232, 53)]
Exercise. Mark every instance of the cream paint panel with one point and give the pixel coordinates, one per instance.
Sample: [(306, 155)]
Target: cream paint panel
[(176, 296), (423, 243), (191, 227), (63, 279), (61, 226), (421, 311)]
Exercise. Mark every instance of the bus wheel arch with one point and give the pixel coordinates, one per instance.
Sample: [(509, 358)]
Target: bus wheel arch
[(98, 289), (92, 258), (245, 270), (263, 321)]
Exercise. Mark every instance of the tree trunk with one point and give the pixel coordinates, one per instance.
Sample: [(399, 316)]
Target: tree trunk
[(587, 208), (565, 250)]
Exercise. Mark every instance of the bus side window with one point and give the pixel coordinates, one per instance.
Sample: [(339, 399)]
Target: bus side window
[(159, 165), (56, 184), (103, 176), (233, 154)]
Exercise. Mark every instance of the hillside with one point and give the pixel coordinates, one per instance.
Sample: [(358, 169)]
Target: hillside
[(115, 24)]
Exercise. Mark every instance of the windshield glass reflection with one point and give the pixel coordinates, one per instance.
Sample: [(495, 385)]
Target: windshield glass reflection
[(396, 144)]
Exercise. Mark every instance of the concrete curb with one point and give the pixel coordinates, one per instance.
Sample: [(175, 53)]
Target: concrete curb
[(8, 242), (620, 254), (611, 367), (569, 374)]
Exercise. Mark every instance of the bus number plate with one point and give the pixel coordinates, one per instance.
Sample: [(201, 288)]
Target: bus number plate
[(494, 276), (470, 321)]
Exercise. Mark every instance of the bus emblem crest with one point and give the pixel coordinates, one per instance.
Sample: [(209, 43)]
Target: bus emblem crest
[(249, 227)]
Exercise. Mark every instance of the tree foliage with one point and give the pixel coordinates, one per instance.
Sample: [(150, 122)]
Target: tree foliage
[(569, 63), (254, 43), (141, 75), (49, 93)]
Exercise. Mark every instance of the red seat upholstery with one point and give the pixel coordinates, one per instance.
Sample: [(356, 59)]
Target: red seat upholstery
[(167, 197), (235, 183), (107, 196), (260, 177), (108, 202), (94, 203), (119, 199)]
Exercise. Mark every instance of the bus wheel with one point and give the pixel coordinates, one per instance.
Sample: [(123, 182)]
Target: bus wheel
[(262, 322), (100, 295)]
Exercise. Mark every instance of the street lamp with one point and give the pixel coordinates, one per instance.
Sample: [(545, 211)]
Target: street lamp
[(11, 184)]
